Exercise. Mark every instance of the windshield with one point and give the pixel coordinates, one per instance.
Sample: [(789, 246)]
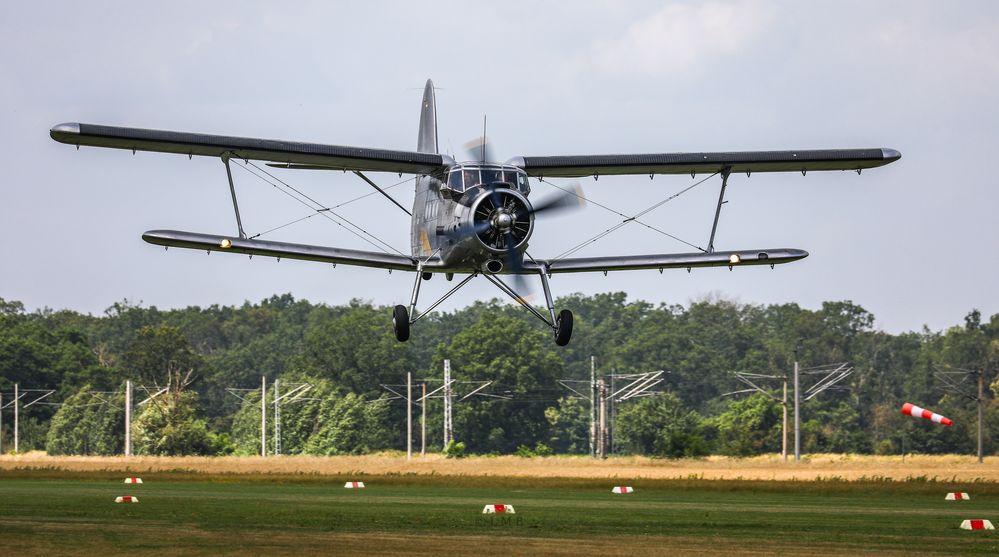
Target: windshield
[(454, 181), (472, 177), (518, 179), (491, 175)]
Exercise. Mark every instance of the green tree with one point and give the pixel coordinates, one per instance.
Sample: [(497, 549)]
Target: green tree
[(660, 426), (750, 426), (569, 423), (168, 426), (519, 359)]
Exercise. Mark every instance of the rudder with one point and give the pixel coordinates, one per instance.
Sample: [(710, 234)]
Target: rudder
[(427, 142)]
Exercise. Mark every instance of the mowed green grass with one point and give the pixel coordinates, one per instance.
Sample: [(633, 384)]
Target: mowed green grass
[(191, 514)]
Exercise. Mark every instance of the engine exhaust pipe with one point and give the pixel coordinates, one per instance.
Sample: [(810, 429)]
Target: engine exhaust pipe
[(493, 266)]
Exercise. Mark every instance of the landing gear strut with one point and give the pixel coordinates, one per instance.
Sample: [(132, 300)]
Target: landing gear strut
[(561, 324), (403, 318)]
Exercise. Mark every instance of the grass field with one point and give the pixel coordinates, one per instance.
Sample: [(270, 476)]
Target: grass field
[(52, 512)]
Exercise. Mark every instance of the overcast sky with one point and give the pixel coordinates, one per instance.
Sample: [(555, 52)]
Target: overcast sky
[(914, 242)]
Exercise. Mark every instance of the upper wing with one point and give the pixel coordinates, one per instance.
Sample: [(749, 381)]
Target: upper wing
[(288, 152), (706, 163), (668, 261), (215, 242)]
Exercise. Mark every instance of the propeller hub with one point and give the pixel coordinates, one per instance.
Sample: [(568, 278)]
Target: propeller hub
[(502, 220)]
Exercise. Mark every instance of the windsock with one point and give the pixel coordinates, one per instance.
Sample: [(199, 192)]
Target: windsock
[(917, 412)]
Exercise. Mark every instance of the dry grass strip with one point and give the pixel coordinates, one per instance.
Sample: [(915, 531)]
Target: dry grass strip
[(813, 467)]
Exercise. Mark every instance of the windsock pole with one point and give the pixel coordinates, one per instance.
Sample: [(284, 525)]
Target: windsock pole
[(917, 412)]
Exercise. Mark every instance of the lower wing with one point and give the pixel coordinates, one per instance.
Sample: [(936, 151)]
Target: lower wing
[(323, 254), (668, 261)]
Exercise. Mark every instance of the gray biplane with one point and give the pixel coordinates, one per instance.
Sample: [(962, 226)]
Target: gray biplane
[(469, 218)]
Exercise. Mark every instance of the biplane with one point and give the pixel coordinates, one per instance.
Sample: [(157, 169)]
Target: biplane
[(470, 218)]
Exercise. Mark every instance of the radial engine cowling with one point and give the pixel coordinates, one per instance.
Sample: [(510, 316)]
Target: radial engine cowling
[(501, 219)]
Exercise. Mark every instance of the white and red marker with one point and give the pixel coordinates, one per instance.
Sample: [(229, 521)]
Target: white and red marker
[(916, 412), (354, 485), (498, 509), (623, 489), (977, 525)]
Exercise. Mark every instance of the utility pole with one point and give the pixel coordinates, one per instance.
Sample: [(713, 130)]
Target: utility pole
[(277, 420), (783, 443), (981, 421), (128, 417), (423, 422), (602, 428), (263, 415), (409, 415), (16, 405), (797, 413), (612, 422), (448, 430), (593, 399)]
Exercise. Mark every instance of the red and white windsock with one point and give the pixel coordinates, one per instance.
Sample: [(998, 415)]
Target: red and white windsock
[(917, 412)]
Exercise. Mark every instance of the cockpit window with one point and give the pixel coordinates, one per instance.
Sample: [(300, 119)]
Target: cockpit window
[(454, 181), (472, 177), (523, 183), (490, 175)]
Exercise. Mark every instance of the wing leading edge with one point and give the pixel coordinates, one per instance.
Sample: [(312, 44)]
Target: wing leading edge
[(321, 254), (324, 254), (706, 163), (287, 152), (661, 261)]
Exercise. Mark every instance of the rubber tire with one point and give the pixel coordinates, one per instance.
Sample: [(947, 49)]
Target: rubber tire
[(563, 328), (400, 323)]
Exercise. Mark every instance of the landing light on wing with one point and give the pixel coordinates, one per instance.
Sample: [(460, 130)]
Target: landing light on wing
[(734, 258), (226, 243)]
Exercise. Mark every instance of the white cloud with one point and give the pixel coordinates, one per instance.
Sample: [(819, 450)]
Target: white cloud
[(681, 35)]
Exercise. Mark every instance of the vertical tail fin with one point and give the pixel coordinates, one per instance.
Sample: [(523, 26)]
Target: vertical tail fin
[(427, 142)]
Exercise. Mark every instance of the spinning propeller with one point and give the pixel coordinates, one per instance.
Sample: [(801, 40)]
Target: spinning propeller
[(501, 218)]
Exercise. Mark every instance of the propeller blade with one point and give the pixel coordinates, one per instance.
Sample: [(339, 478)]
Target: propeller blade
[(560, 202), (480, 150), (515, 265)]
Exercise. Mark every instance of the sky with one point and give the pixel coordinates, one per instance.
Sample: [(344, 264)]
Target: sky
[(912, 242)]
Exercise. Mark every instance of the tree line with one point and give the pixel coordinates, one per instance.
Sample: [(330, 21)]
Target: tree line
[(190, 358)]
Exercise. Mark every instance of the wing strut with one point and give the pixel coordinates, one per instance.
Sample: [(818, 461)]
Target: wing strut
[(721, 200), (232, 190), (381, 191)]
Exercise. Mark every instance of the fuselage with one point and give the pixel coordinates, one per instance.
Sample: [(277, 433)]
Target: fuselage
[(473, 217), (477, 216)]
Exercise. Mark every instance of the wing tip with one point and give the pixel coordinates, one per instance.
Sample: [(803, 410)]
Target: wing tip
[(65, 132), (890, 155)]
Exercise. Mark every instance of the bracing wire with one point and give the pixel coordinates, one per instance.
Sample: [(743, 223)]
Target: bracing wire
[(620, 214), (317, 208), (633, 218)]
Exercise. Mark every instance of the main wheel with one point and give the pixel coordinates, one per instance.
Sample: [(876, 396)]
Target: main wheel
[(563, 328), (400, 323)]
